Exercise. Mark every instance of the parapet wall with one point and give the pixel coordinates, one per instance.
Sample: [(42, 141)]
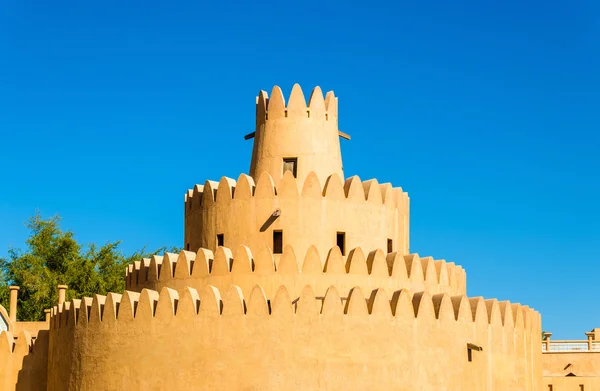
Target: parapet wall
[(580, 364), (570, 370), (246, 269), (368, 213), (226, 340)]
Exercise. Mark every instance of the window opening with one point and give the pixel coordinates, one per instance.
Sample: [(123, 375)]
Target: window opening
[(341, 242), (277, 242), (220, 240), (290, 164), (390, 246)]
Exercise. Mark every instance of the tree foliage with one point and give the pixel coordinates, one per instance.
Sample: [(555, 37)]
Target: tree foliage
[(52, 257)]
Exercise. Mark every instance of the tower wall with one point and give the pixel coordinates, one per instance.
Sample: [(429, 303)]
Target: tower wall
[(307, 133), (226, 340), (369, 214)]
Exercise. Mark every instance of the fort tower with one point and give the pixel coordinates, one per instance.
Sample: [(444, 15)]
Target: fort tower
[(291, 278)]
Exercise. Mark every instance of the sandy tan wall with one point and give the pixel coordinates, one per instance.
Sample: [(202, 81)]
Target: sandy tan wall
[(23, 362), (224, 340), (368, 213), (579, 363), (571, 383), (246, 269)]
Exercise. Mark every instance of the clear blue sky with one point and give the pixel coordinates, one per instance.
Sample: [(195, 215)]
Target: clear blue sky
[(485, 112)]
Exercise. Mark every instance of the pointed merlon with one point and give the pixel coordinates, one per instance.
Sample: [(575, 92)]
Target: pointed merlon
[(282, 304), (297, 104), (316, 104), (233, 302), (332, 303)]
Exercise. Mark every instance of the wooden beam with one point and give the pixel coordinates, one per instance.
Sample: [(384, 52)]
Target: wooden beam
[(343, 135), (249, 136), (474, 347)]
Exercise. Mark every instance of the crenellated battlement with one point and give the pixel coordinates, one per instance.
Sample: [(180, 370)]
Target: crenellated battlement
[(352, 190), (274, 107), (212, 303), (244, 268), (23, 360), (22, 345)]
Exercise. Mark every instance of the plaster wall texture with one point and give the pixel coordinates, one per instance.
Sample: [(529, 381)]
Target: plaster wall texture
[(308, 133), (367, 212), (221, 340), (245, 269)]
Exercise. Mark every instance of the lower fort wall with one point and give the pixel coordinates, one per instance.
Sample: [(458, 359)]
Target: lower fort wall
[(224, 340)]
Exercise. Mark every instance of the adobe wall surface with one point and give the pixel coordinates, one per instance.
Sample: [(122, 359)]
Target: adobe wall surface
[(311, 213), (23, 361), (222, 340), (246, 269)]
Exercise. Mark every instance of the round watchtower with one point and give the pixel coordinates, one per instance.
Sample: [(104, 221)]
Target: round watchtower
[(296, 137)]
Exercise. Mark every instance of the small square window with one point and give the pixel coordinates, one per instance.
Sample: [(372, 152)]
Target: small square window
[(290, 164), (220, 240), (341, 242), (277, 242)]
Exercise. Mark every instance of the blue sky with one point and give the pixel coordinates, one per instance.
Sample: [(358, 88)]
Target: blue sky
[(485, 112)]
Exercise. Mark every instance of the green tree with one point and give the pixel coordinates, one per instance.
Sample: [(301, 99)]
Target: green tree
[(53, 257)]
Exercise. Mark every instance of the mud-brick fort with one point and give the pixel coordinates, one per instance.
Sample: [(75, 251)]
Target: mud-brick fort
[(294, 277)]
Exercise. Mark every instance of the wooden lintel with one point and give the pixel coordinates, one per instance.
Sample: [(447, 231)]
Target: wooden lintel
[(343, 135), (474, 347), (249, 136)]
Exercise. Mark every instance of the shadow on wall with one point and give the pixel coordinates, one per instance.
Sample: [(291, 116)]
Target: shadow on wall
[(33, 374), (270, 221)]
